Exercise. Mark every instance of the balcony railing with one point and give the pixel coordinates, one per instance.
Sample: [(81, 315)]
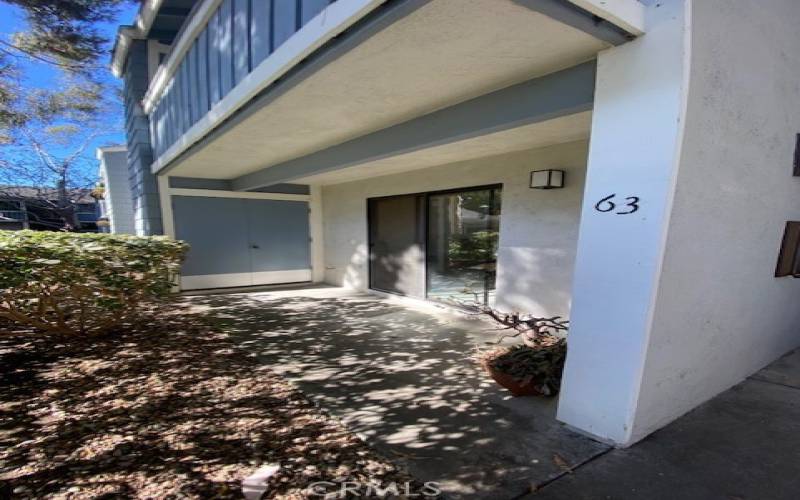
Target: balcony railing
[(236, 37)]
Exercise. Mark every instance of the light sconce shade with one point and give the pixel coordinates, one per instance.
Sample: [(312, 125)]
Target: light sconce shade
[(547, 179)]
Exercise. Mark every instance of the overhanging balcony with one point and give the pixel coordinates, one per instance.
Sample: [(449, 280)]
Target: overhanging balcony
[(358, 67)]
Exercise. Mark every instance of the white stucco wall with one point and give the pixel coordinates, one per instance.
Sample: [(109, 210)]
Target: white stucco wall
[(720, 313), (678, 302), (538, 228)]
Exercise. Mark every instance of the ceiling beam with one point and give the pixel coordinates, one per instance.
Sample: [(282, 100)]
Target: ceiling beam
[(551, 96)]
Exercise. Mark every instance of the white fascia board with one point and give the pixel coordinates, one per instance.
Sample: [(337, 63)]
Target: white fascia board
[(252, 195), (110, 149), (625, 14), (140, 29), (330, 22)]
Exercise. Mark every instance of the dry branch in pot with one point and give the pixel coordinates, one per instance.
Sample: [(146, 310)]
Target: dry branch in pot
[(534, 366)]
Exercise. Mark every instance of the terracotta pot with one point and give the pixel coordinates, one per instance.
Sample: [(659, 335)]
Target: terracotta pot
[(515, 387)]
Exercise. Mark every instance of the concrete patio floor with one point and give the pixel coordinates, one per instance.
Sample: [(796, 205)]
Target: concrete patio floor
[(401, 376)]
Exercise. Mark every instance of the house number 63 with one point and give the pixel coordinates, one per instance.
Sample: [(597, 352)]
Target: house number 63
[(607, 205)]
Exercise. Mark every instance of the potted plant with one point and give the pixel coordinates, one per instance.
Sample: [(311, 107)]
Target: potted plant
[(533, 366)]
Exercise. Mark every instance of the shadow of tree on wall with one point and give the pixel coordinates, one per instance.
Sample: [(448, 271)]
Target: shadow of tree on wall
[(404, 380), (170, 410)]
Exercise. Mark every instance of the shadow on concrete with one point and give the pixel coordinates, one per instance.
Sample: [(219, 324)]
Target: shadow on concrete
[(403, 379)]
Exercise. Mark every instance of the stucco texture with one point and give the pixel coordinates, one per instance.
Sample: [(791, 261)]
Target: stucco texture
[(720, 313), (538, 228)]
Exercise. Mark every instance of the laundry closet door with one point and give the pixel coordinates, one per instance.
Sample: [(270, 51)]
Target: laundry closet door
[(279, 241), (242, 242), (219, 246)]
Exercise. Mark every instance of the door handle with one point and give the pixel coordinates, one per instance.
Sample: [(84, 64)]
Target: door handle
[(255, 247)]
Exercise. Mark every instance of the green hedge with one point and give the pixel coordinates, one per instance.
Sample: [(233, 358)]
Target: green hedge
[(79, 283)]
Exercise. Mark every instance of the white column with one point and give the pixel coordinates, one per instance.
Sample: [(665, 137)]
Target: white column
[(633, 160), (166, 205), (315, 228)]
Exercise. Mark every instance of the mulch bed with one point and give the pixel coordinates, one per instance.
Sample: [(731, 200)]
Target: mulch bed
[(169, 410)]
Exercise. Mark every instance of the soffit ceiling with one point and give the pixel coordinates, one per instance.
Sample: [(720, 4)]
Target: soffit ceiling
[(445, 52)]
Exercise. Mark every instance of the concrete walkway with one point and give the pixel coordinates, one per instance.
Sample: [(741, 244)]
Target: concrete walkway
[(403, 379), (744, 444)]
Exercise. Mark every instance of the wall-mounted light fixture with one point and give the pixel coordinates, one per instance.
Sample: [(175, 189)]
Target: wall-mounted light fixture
[(547, 179)]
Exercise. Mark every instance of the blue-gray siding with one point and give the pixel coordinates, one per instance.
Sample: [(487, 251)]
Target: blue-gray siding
[(232, 235), (216, 230), (144, 189), (238, 36)]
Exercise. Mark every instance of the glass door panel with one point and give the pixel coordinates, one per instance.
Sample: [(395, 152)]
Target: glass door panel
[(463, 230)]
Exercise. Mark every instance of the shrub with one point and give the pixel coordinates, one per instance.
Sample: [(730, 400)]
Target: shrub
[(72, 283)]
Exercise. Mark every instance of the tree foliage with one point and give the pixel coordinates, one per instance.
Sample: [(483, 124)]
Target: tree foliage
[(65, 30), (62, 35), (83, 284)]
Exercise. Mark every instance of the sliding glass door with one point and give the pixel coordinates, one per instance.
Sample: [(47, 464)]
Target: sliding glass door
[(461, 257), (442, 245), (396, 245)]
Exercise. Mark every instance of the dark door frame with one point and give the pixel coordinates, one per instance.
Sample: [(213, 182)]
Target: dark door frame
[(427, 195)]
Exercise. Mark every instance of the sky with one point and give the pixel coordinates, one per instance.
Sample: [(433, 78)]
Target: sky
[(40, 75)]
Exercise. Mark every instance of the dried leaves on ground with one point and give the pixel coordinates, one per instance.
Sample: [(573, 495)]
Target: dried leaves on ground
[(168, 410)]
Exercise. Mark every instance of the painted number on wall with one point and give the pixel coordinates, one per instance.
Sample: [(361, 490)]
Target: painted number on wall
[(607, 205)]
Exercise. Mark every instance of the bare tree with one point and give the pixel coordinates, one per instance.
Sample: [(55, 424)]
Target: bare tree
[(52, 170)]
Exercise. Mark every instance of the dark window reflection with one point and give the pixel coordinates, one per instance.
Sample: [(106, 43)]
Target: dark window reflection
[(463, 231)]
